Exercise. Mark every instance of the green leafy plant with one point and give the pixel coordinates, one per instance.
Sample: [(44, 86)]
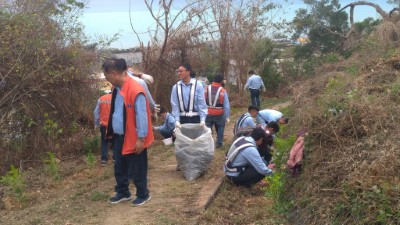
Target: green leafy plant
[(51, 127), (90, 159), (52, 168), (15, 181)]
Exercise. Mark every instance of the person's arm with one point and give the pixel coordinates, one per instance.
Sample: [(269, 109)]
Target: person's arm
[(175, 104), (248, 122), (262, 84), (227, 108), (253, 157), (246, 86), (170, 123), (96, 113), (148, 95), (201, 103), (141, 116)]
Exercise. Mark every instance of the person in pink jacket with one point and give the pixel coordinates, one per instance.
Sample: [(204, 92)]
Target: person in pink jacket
[(296, 154)]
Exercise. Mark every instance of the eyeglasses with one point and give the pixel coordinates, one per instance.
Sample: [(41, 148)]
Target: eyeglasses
[(179, 71)]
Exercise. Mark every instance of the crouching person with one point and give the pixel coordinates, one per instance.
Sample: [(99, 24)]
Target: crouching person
[(244, 165), (168, 127)]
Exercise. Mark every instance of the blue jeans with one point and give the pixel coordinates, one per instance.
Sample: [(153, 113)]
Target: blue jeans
[(104, 143), (219, 122), (127, 167), (255, 97)]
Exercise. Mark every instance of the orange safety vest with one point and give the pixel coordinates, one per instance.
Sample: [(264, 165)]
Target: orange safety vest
[(129, 91), (105, 105), (215, 98)]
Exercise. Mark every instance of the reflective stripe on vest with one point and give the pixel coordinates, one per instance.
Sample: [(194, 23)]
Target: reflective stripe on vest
[(216, 97), (239, 145), (183, 110), (239, 123)]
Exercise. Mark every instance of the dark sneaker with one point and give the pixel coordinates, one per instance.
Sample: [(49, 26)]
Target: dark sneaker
[(120, 198), (103, 162), (140, 201), (178, 168)]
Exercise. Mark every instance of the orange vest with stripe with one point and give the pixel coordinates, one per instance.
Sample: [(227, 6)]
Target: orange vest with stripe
[(129, 91), (105, 105), (219, 107)]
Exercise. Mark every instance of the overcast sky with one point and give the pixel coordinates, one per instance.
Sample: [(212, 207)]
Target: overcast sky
[(106, 18)]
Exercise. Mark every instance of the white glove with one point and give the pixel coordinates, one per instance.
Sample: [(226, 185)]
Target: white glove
[(178, 125), (264, 90), (157, 108), (202, 124), (96, 127), (227, 120)]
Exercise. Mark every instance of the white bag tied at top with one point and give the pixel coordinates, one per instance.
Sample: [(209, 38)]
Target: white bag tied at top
[(194, 150)]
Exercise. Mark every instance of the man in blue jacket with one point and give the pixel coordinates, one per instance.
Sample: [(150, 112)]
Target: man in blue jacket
[(244, 165)]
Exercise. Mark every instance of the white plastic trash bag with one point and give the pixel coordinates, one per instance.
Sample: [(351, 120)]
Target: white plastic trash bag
[(194, 149)]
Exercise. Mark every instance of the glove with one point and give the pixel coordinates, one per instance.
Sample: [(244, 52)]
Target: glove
[(202, 124), (264, 90), (227, 120), (178, 125), (157, 108), (96, 127)]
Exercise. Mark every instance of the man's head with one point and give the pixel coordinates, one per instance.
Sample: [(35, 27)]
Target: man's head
[(219, 78), (251, 72), (253, 110), (115, 71), (258, 134), (283, 120), (273, 127), (163, 113), (185, 72)]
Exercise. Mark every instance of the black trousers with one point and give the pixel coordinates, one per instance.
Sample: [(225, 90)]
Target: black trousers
[(187, 119), (247, 178)]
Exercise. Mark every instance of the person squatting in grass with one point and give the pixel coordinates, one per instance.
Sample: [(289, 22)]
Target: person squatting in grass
[(101, 115), (218, 107), (244, 165), (168, 127), (246, 119), (129, 126)]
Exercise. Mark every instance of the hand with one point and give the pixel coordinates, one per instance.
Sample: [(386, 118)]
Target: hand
[(264, 90), (96, 127), (271, 166), (202, 124), (157, 108), (227, 120), (178, 125), (139, 146)]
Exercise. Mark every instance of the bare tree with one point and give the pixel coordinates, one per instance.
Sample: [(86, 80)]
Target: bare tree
[(388, 30)]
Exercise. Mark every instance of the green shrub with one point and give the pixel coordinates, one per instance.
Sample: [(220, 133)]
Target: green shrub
[(51, 163), (15, 181)]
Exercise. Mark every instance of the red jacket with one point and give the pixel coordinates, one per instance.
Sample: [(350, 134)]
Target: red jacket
[(105, 105), (129, 91)]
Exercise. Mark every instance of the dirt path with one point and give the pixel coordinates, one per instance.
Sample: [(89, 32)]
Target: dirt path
[(82, 197)]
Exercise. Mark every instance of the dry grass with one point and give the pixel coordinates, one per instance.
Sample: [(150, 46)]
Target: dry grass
[(351, 169)]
